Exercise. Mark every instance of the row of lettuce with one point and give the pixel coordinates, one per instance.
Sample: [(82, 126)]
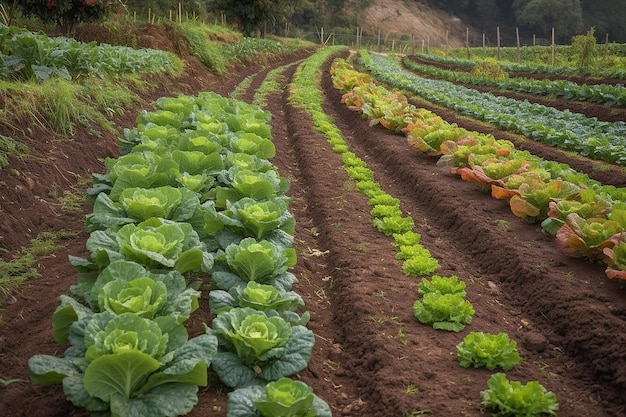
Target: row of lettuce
[(443, 304), (587, 219), (562, 129), (192, 195), (607, 94)]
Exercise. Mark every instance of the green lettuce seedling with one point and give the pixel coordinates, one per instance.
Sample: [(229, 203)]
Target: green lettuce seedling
[(444, 311), (488, 350), (514, 399)]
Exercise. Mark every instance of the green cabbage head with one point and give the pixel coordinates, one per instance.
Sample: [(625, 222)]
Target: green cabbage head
[(286, 397), (255, 337)]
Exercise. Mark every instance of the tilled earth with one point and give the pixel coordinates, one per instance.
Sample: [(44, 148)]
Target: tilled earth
[(372, 357)]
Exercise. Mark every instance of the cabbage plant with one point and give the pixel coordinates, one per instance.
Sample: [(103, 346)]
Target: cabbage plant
[(257, 346), (280, 398), (489, 350), (136, 205), (129, 365), (251, 218), (260, 297), (250, 260), (155, 243), (122, 287)]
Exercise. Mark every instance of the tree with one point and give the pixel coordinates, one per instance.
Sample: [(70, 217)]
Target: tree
[(65, 13), (255, 15), (565, 16)]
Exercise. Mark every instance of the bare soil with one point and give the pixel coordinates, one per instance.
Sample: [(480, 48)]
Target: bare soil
[(372, 357)]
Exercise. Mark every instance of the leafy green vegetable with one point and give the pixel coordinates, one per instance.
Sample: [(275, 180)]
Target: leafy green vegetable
[(489, 350), (127, 363), (393, 224), (444, 311), (280, 398), (251, 260), (443, 285), (616, 260), (154, 243), (515, 399), (420, 265), (262, 298), (256, 345), (252, 218), (587, 237)]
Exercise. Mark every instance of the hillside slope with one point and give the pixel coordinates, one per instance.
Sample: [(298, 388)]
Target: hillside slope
[(395, 18)]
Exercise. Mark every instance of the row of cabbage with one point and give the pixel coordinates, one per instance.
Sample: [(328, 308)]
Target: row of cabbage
[(607, 94), (443, 304), (25, 55), (562, 129), (530, 67), (192, 195), (588, 219)]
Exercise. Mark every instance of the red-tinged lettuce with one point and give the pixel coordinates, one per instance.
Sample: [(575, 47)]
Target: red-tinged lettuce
[(588, 237), (256, 346), (514, 399), (587, 204), (616, 260), (444, 311), (534, 196), (489, 350), (280, 398), (129, 366)]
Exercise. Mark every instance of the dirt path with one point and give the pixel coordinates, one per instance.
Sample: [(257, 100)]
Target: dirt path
[(372, 357)]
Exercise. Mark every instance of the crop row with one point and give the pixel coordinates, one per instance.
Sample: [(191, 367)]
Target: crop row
[(607, 94), (30, 56), (442, 305), (530, 67), (587, 218), (192, 194), (561, 129)]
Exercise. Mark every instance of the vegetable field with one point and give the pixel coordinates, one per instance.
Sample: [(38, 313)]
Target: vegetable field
[(378, 227)]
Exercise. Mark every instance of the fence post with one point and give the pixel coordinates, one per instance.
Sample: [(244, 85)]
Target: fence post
[(519, 52), (379, 46), (553, 47), (498, 36)]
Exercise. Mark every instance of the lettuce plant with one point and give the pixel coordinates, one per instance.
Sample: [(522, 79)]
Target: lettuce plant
[(513, 399), (587, 237), (616, 260), (444, 311), (420, 265), (442, 285), (254, 346), (393, 224), (488, 350), (280, 398), (129, 365), (155, 243)]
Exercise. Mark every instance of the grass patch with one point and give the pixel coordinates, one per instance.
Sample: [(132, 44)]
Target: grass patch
[(10, 147), (24, 265)]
